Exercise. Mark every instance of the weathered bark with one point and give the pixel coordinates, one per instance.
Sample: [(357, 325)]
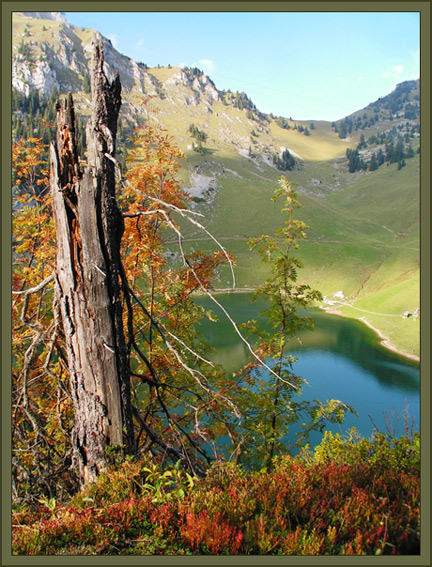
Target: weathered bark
[(89, 228)]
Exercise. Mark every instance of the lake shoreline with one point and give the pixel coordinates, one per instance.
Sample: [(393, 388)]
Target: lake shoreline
[(385, 341)]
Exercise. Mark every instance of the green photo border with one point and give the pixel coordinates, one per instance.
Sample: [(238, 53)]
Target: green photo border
[(165, 6)]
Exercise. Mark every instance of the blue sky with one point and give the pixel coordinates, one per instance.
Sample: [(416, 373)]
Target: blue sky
[(304, 65)]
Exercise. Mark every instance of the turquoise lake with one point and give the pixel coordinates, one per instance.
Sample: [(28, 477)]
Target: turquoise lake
[(340, 359)]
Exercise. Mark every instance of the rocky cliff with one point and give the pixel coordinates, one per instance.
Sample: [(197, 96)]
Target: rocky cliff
[(49, 53)]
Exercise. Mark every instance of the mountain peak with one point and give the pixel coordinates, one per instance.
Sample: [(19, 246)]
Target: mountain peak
[(55, 16)]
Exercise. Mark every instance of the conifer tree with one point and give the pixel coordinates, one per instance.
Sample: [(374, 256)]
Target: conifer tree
[(373, 164)]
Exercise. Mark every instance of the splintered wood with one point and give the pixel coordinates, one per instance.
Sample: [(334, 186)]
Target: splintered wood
[(88, 275)]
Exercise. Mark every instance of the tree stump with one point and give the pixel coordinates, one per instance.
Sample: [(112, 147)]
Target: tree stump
[(89, 228)]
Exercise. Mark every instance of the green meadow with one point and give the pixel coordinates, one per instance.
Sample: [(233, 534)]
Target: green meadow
[(363, 235)]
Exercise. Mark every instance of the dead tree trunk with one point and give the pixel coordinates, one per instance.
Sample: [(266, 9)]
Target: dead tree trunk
[(89, 228)]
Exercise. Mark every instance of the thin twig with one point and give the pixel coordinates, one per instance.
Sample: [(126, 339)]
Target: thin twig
[(185, 214), (37, 288)]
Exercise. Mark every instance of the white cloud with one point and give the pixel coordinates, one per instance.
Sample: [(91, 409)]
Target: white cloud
[(340, 79), (394, 72), (140, 43), (207, 64), (359, 78)]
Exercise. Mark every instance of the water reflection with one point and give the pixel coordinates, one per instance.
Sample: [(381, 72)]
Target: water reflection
[(354, 342), (341, 358)]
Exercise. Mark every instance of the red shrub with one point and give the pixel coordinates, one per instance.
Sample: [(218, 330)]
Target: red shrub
[(210, 533)]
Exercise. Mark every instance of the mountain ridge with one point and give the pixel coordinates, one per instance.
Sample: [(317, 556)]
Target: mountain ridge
[(133, 74)]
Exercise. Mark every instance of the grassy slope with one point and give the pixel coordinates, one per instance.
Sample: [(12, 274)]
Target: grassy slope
[(363, 236), (321, 145), (371, 256), (390, 198)]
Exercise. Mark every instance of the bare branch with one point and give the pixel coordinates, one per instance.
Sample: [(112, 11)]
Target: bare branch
[(189, 349), (211, 296), (185, 214), (36, 288), (161, 202), (170, 450)]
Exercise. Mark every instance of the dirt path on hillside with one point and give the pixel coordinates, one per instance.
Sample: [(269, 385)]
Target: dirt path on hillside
[(385, 228), (342, 303)]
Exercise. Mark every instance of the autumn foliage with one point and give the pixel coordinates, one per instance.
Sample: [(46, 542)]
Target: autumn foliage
[(349, 497), (170, 393), (41, 407)]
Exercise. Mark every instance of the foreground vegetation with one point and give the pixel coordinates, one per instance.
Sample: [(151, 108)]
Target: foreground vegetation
[(350, 496)]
